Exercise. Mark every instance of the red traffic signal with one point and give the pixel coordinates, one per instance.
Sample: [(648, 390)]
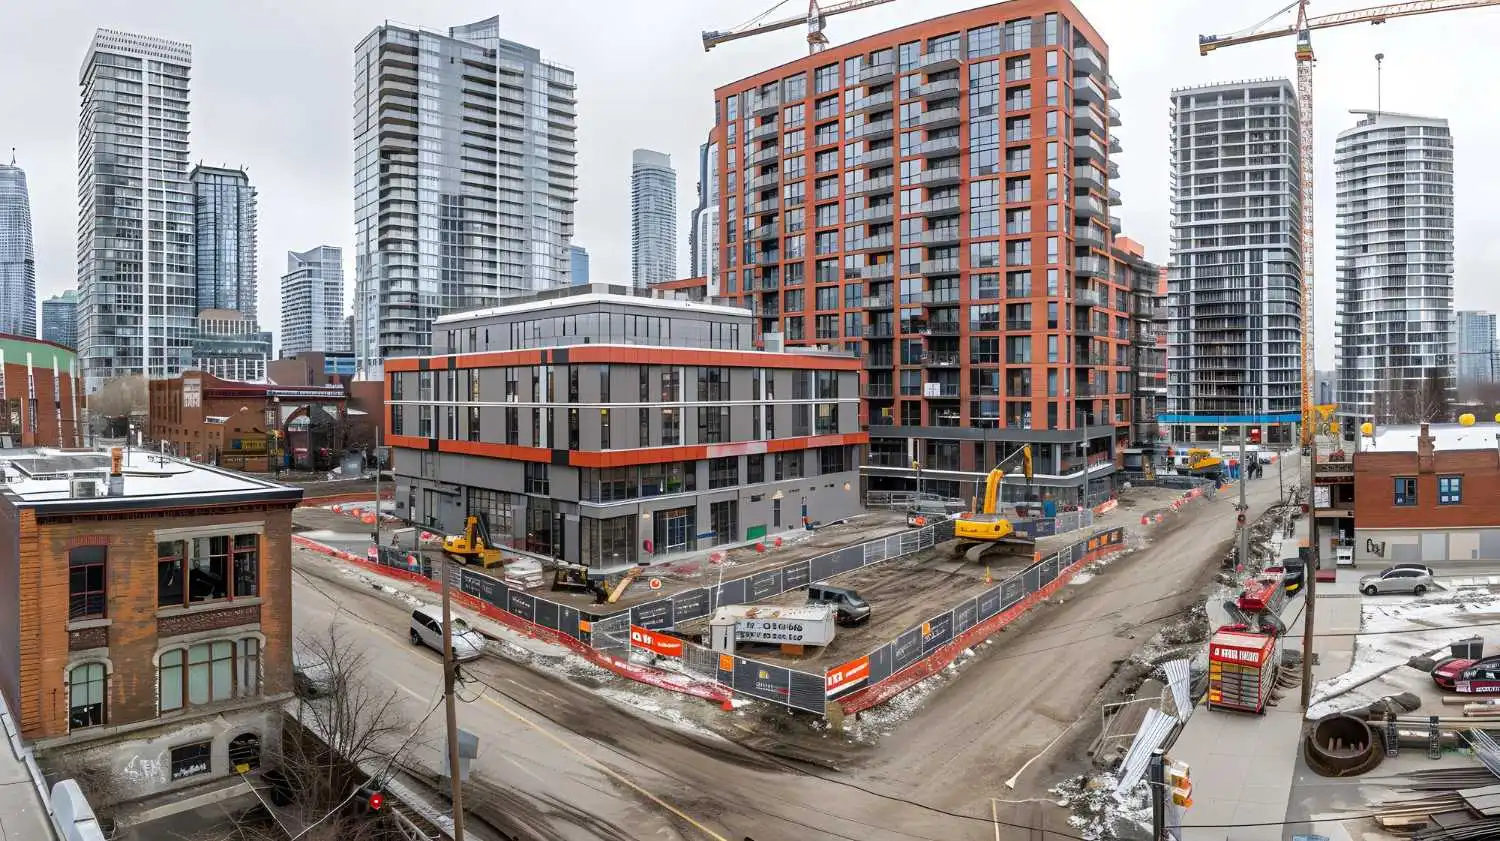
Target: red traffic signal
[(375, 801)]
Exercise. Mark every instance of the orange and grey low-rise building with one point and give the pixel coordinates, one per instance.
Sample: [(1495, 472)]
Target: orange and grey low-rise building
[(148, 632), (606, 427)]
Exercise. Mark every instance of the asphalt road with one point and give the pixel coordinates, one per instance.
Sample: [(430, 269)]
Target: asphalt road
[(558, 762)]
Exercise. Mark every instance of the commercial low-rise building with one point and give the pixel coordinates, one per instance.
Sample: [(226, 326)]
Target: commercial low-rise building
[(149, 623), (1428, 494), (604, 427), (248, 426)]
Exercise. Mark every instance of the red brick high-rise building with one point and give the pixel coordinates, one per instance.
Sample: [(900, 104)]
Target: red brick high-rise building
[(936, 200)]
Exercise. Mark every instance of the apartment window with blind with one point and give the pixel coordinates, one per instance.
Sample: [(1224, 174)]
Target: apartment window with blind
[(86, 587)]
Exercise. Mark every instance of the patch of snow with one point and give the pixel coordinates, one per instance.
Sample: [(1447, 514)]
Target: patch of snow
[(638, 703), (1099, 812)]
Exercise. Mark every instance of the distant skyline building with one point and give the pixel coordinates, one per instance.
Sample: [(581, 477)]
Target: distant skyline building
[(229, 344), (312, 302), (138, 299), (451, 212), (653, 218), (17, 254), (580, 265), (703, 233), (224, 217), (60, 319), (1235, 284), (1478, 354), (1395, 325)]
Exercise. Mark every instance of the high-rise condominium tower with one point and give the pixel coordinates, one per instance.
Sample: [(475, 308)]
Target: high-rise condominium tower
[(312, 302), (703, 238), (653, 218), (465, 179), (60, 319), (138, 300), (225, 219), (1395, 326), (17, 258), (1235, 283), (1478, 355)]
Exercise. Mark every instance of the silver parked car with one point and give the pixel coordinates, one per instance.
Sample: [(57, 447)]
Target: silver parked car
[(1402, 578)]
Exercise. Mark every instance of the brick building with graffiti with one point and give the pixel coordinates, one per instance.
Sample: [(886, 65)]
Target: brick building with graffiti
[(254, 427)]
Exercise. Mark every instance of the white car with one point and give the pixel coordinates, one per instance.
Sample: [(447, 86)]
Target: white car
[(427, 629)]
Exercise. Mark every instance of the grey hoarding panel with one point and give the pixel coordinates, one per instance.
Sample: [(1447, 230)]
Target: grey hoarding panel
[(796, 575), (567, 621), (652, 615), (1012, 591), (762, 680), (1033, 579), (692, 604), (943, 531), (1049, 571), (848, 559), (1025, 528), (546, 613), (821, 567), (807, 692), (908, 649), (988, 603), (763, 585), (523, 606), (880, 663), (484, 588), (939, 632), (733, 592), (963, 616), (1044, 528)]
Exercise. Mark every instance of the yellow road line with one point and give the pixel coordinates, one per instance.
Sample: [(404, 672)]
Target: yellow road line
[(618, 777)]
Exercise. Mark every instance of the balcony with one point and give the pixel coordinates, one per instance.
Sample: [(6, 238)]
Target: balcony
[(940, 328), (1091, 267), (1089, 207), (943, 391), (941, 360), (1086, 60), (942, 296), (880, 302), (1114, 197), (1114, 145), (1085, 89), (941, 176), (880, 271), (880, 100), (1018, 325), (1087, 148), (878, 213), (1086, 118), (948, 235), (1159, 314), (1114, 116), (761, 182), (878, 331), (1113, 87), (764, 156), (874, 157), (872, 185), (1089, 328), (1088, 298), (1115, 226), (1092, 359), (932, 90), (879, 241), (1087, 177), (938, 146), (938, 61), (877, 73), (880, 360), (945, 206), (947, 265), (872, 131), (1088, 236), (939, 118), (1113, 170), (766, 206), (764, 105), (763, 232), (763, 131), (879, 391)]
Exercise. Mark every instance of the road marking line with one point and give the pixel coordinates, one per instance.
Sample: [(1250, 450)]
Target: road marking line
[(618, 777)]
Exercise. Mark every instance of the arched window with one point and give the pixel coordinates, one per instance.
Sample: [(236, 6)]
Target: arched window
[(244, 749), (87, 690)]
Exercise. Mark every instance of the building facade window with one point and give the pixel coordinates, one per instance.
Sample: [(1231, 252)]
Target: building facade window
[(538, 479), (1450, 490), (723, 472), (88, 686), (208, 672), (723, 519), (1406, 491), (207, 569), (192, 760), (87, 597)]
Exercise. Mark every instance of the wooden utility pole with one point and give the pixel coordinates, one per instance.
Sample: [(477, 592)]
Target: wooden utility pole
[(450, 699)]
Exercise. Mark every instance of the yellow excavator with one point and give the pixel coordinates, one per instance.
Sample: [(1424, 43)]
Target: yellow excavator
[(474, 546), (986, 532), (1205, 464)]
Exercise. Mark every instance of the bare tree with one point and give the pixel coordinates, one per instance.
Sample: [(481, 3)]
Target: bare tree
[(118, 400), (1425, 400), (345, 724)]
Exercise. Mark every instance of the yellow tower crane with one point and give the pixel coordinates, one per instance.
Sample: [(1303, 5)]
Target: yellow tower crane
[(1302, 28), (763, 22)]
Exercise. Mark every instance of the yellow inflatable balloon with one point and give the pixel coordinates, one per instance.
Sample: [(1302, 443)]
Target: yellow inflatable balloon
[(1497, 417), (1465, 419), (1367, 428)]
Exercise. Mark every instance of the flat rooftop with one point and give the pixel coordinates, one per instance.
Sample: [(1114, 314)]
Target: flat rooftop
[(79, 480), (1445, 436)]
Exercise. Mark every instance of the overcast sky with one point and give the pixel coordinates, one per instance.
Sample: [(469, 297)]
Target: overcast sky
[(272, 84)]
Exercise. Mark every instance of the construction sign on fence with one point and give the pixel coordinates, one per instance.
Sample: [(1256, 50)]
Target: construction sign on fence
[(663, 644), (841, 679)]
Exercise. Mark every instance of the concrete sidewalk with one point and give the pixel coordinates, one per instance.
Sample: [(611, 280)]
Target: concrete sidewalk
[(23, 815)]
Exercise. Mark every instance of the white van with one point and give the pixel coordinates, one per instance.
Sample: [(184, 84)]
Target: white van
[(427, 629)]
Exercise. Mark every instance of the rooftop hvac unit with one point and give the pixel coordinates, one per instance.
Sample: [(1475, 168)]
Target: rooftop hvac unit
[(83, 488)]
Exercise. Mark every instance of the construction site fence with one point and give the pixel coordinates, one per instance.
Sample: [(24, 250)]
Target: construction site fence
[(923, 649), (1064, 522)]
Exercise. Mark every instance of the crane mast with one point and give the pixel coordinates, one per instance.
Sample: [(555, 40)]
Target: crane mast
[(1302, 29)]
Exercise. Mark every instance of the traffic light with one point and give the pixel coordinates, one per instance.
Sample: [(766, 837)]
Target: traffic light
[(370, 798)]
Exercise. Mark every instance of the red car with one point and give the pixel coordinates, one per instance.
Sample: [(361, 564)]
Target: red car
[(1468, 676)]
